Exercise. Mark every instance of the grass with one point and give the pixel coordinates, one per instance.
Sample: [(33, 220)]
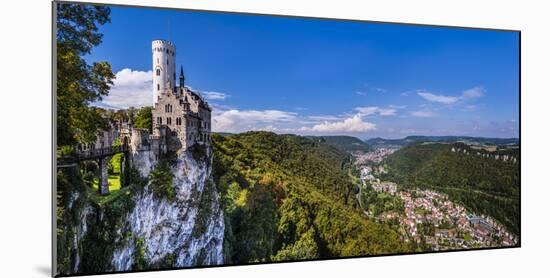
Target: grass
[(103, 200), (114, 183), (114, 179)]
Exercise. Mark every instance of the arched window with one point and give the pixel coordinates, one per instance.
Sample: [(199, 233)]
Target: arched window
[(158, 72), (158, 87)]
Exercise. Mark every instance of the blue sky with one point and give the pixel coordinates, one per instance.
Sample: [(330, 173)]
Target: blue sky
[(312, 76)]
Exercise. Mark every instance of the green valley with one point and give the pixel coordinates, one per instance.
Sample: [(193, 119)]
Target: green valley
[(288, 197)]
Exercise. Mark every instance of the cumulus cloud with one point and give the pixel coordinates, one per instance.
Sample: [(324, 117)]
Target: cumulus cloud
[(352, 124), (375, 110), (423, 114), (235, 120), (130, 88), (214, 95), (471, 93)]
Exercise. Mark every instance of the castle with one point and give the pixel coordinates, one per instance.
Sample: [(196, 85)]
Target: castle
[(181, 117)]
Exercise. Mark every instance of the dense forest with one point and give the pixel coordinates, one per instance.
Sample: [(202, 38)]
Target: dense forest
[(344, 143), (483, 184), (287, 197)]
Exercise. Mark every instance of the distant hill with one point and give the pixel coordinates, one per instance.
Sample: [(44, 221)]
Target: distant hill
[(473, 177), (386, 143), (223, 133), (396, 143), (345, 143)]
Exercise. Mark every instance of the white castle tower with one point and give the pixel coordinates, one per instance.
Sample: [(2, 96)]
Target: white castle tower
[(164, 67)]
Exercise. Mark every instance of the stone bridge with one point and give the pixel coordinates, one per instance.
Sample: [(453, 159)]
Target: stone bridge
[(101, 151)]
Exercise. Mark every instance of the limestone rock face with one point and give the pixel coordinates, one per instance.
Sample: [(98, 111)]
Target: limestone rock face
[(186, 231)]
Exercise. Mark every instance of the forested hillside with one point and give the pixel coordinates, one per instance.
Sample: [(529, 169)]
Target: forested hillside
[(381, 142), (476, 178), (287, 197), (344, 143)]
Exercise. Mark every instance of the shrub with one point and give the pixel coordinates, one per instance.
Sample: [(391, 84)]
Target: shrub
[(161, 182)]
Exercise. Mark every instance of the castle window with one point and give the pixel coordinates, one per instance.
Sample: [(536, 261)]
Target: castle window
[(158, 72), (167, 62), (158, 87), (169, 121)]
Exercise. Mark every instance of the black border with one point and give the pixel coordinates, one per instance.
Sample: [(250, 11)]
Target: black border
[(54, 138)]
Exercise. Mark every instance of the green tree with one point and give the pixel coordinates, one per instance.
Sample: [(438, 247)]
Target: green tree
[(79, 84), (143, 118), (161, 180)]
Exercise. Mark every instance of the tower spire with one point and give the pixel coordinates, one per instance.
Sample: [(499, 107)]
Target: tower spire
[(182, 77)]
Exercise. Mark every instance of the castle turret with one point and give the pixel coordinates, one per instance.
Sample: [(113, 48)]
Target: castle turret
[(164, 67), (182, 78), (181, 117)]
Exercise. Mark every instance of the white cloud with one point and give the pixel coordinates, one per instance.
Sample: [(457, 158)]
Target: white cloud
[(353, 124), (472, 93), (235, 120), (375, 110), (131, 88), (214, 95), (423, 114), (324, 118), (360, 93), (397, 106), (475, 92), (438, 98)]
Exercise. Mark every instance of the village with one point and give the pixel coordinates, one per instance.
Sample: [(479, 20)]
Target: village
[(376, 156), (428, 217)]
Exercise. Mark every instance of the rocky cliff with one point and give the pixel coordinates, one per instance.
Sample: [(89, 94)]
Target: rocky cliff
[(184, 232), (136, 228)]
